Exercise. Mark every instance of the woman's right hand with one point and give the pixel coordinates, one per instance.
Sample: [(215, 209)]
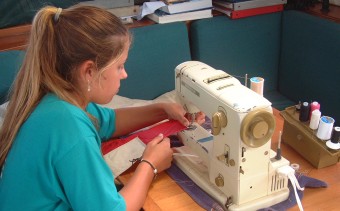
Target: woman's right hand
[(159, 153)]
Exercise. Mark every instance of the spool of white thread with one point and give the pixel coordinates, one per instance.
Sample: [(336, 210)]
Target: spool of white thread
[(315, 119), (256, 84), (325, 128)]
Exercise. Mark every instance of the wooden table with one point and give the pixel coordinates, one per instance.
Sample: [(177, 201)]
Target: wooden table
[(165, 194)]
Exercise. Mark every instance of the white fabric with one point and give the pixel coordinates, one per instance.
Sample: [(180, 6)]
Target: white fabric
[(119, 101), (119, 159)]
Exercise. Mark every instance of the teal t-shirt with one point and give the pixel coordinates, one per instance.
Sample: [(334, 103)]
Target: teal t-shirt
[(55, 162)]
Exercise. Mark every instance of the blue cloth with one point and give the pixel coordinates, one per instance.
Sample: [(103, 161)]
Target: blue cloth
[(193, 190), (55, 162), (304, 181)]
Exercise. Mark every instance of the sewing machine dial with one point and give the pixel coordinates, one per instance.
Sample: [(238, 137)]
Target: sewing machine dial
[(219, 121), (257, 128)]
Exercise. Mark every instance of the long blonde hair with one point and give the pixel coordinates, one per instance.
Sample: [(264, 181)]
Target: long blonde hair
[(57, 45)]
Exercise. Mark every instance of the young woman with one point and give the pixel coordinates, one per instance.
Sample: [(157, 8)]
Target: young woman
[(50, 155)]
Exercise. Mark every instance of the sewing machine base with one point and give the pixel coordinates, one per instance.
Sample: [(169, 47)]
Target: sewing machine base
[(198, 173)]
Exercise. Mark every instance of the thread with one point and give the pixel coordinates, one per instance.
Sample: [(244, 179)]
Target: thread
[(256, 84), (336, 135), (304, 112), (334, 143), (314, 106), (325, 128), (315, 119)]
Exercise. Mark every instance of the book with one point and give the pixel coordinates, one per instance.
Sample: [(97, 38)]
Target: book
[(236, 14), (234, 1), (223, 4), (247, 4), (162, 17), (173, 1), (128, 11), (187, 6)]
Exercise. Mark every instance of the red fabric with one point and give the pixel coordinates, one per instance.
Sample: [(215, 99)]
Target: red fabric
[(166, 128)]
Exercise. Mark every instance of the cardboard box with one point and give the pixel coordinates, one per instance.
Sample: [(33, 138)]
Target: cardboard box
[(304, 140)]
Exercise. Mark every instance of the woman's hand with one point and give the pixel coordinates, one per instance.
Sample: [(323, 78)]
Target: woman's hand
[(176, 112), (199, 117), (159, 153)]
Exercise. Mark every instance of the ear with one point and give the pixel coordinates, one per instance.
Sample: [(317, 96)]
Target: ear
[(87, 70)]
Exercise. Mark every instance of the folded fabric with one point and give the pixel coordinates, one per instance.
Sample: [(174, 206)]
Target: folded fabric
[(166, 128), (119, 153)]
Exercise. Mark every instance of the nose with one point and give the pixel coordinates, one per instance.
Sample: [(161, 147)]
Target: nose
[(124, 74)]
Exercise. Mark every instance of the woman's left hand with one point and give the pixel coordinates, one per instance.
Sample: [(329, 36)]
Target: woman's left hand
[(176, 112), (199, 117)]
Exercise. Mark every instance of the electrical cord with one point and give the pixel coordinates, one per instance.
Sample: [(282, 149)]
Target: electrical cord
[(290, 173)]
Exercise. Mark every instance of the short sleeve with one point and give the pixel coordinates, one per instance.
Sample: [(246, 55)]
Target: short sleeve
[(106, 120)]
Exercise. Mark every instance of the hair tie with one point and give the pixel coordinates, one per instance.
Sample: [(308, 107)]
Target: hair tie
[(57, 14)]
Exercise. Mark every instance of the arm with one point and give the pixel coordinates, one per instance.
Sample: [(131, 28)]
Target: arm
[(134, 118), (157, 152)]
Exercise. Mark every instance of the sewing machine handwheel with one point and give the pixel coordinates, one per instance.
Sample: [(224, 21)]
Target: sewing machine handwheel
[(257, 128)]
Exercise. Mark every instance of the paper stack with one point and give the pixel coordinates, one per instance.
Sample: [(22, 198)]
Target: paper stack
[(179, 10)]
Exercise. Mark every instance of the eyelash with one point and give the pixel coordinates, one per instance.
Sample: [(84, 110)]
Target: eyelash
[(120, 68)]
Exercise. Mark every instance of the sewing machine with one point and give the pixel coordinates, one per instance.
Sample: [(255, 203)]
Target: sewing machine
[(234, 163)]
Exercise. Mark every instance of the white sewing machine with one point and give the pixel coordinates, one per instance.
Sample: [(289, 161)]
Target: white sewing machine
[(235, 163)]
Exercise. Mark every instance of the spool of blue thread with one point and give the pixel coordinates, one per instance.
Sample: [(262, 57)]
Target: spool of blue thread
[(304, 112)]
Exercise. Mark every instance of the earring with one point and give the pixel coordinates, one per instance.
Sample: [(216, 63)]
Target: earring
[(88, 86)]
